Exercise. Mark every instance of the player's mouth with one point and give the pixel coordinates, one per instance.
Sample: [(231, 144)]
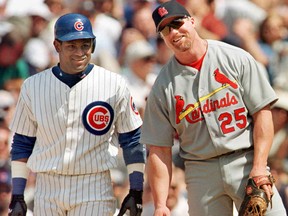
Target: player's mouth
[(176, 40), (79, 60)]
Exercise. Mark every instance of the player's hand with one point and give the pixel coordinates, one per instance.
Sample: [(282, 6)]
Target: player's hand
[(17, 206), (132, 202), (162, 211), (263, 171)]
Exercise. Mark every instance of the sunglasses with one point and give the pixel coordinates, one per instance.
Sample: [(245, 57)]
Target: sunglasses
[(149, 59), (174, 24)]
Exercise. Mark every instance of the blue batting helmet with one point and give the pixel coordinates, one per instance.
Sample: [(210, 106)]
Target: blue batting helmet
[(73, 26)]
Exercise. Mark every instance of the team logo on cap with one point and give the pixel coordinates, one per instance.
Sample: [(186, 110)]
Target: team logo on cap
[(79, 26), (162, 11), (97, 117)]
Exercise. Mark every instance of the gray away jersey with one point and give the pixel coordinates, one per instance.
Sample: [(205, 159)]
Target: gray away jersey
[(210, 110)]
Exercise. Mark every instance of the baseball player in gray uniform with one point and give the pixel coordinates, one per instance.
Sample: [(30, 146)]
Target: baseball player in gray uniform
[(216, 98), (68, 123)]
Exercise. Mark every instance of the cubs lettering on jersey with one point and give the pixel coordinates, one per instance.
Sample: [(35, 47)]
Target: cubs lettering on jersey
[(98, 117)]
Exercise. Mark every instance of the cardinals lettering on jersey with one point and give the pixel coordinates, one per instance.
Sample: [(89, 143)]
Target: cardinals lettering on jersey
[(208, 106)]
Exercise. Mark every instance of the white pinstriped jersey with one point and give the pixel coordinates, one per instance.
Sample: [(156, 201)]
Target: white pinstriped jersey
[(75, 127)]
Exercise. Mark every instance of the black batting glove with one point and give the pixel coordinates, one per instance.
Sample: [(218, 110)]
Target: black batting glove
[(17, 206), (133, 202)]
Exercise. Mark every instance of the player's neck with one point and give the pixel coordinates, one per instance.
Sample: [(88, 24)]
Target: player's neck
[(194, 54)]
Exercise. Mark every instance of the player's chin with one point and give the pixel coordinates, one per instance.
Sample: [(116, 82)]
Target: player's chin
[(79, 68), (81, 65)]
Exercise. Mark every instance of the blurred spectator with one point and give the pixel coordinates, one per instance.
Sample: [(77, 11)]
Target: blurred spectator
[(281, 177), (142, 20), (272, 35), (3, 4), (235, 9), (128, 36), (37, 55), (106, 28), (266, 44), (13, 86), (7, 105), (36, 52), (5, 190), (280, 121), (208, 24), (120, 187), (282, 9), (5, 136), (176, 200), (278, 156), (56, 8), (163, 54), (139, 71), (40, 16), (132, 6), (12, 64)]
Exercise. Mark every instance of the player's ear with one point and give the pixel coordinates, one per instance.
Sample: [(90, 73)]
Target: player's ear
[(57, 44), (192, 20), (93, 45)]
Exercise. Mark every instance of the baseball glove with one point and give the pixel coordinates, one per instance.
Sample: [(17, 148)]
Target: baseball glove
[(256, 202)]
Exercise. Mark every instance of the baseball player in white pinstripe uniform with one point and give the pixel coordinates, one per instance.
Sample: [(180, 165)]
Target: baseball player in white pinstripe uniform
[(68, 121), (216, 98)]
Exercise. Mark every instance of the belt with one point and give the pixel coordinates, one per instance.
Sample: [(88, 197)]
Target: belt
[(236, 151)]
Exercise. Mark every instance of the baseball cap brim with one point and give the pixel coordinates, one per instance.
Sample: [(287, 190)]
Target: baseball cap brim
[(167, 17), (76, 35)]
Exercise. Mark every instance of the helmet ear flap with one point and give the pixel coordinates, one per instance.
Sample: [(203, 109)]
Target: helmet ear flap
[(93, 45)]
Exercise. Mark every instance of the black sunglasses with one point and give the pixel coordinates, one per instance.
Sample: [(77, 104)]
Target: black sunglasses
[(148, 58), (175, 24)]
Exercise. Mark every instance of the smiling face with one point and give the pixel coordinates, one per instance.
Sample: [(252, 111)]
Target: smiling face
[(75, 55), (179, 38)]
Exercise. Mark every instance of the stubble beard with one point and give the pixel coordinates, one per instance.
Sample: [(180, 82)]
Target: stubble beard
[(183, 47)]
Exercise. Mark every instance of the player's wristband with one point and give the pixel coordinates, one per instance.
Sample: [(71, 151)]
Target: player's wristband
[(20, 174), (19, 169), (136, 175), (140, 167)]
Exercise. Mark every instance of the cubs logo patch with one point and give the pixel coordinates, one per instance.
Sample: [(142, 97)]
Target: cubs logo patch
[(79, 26), (133, 106), (97, 117)]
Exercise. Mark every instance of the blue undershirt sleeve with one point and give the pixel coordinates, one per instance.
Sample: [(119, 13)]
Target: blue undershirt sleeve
[(133, 152), (22, 146)]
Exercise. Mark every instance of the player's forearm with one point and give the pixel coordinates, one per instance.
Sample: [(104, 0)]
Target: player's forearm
[(20, 174), (263, 137), (159, 168), (134, 155)]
